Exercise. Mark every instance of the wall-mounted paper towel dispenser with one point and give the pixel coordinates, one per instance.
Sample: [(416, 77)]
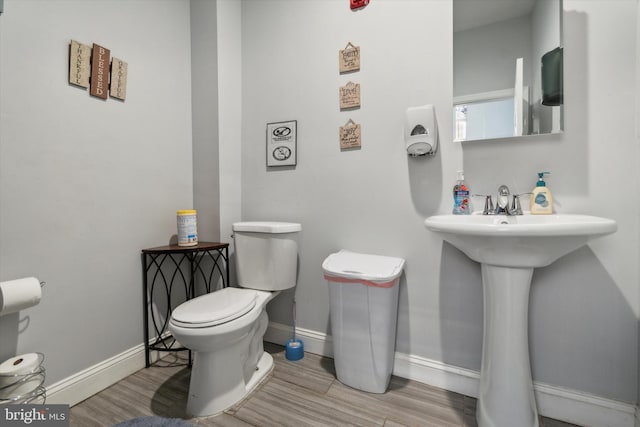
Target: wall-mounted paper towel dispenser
[(421, 131)]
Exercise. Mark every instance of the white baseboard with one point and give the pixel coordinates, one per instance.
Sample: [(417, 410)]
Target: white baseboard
[(437, 374), (555, 402), (582, 408), (563, 404), (314, 342), (84, 384)]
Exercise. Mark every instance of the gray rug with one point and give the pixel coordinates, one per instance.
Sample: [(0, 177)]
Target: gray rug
[(154, 422)]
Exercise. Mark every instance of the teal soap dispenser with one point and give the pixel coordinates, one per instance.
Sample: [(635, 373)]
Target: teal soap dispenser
[(541, 202)]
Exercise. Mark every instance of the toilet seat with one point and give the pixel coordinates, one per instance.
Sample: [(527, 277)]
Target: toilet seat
[(214, 308)]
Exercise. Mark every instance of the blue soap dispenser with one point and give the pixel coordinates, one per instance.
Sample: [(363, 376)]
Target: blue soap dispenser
[(461, 197)]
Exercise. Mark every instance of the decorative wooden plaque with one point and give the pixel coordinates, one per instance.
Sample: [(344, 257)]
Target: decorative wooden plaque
[(79, 65), (350, 135), (349, 58), (349, 96), (118, 87), (100, 71)]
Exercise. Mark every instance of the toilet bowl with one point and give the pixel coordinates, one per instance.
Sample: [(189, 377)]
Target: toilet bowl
[(229, 358), (225, 328)]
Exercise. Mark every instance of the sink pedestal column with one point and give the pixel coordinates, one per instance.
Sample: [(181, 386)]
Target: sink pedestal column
[(506, 395)]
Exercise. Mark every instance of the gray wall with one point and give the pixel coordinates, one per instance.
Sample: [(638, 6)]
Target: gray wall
[(638, 159), (229, 23), (204, 95), (372, 199), (583, 308), (85, 184)]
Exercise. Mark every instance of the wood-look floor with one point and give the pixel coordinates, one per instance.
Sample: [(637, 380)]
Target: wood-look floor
[(301, 393)]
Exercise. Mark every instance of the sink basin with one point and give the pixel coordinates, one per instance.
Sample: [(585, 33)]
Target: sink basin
[(519, 241), (509, 248)]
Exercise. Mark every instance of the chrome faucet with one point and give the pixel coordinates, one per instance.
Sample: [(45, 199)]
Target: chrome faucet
[(502, 201), (503, 206)]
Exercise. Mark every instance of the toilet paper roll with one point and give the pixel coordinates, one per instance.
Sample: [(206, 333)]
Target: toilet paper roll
[(21, 375), (22, 364), (16, 295)]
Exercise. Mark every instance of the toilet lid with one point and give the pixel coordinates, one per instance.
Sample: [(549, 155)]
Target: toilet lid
[(215, 308)]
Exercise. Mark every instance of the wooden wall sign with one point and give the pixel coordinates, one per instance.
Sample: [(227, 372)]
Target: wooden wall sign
[(100, 71), (349, 96), (349, 58), (350, 135), (118, 79), (79, 65)]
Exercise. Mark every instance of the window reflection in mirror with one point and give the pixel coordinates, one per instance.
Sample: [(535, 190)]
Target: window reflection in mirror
[(507, 62)]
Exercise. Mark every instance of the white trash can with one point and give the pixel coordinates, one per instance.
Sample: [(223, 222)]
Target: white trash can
[(363, 300)]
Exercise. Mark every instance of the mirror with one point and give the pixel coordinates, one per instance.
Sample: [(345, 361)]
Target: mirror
[(507, 68)]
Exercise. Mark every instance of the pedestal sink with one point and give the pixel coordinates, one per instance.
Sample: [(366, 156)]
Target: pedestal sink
[(509, 248)]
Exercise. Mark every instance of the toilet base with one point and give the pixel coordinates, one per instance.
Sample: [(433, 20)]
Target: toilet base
[(199, 405), (264, 368)]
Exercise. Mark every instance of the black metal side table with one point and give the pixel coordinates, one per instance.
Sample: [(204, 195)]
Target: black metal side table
[(168, 267)]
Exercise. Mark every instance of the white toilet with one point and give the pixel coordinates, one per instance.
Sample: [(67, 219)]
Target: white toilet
[(225, 328)]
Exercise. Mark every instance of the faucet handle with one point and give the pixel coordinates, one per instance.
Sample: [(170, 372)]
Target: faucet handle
[(488, 204), (516, 208)]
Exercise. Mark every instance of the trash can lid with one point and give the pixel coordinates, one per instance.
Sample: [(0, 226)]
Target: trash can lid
[(372, 270)]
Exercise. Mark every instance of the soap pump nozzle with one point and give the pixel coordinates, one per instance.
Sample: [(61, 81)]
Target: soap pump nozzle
[(541, 182)]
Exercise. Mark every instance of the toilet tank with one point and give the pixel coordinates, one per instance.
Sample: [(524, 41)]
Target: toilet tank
[(266, 254)]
